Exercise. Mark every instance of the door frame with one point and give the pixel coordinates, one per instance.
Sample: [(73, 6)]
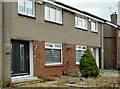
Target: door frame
[(31, 63)]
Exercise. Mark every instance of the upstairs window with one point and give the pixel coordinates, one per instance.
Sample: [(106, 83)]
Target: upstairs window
[(53, 14), (26, 7), (94, 26), (53, 53), (80, 22), (79, 52)]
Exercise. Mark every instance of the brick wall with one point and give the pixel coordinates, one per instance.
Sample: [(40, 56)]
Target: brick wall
[(68, 59), (69, 53)]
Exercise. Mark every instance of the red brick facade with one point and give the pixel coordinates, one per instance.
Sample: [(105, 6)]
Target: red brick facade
[(68, 60)]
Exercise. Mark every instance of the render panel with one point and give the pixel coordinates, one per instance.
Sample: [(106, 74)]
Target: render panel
[(0, 41), (107, 30), (26, 28), (6, 41), (80, 36), (107, 53)]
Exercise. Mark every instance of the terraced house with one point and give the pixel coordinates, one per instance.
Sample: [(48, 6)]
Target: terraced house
[(46, 37)]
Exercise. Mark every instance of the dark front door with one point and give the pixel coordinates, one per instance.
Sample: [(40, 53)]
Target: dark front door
[(20, 58)]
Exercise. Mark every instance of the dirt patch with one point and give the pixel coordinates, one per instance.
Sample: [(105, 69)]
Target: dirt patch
[(68, 81)]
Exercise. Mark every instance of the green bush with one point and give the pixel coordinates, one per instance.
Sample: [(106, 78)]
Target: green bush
[(118, 65), (88, 66)]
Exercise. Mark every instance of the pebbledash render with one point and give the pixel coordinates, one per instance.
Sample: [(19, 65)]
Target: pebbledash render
[(46, 37)]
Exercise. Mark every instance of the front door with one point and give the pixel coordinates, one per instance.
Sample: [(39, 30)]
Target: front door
[(20, 58)]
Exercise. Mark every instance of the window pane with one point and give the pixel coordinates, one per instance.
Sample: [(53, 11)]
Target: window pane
[(80, 22), (21, 56), (52, 14), (57, 45), (53, 56), (84, 23), (93, 26), (94, 52), (48, 45), (76, 21), (96, 27), (78, 55), (58, 16), (21, 4), (47, 12), (29, 7)]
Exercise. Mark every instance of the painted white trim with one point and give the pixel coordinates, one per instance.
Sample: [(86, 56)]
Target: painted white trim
[(53, 46), (54, 64), (31, 58)]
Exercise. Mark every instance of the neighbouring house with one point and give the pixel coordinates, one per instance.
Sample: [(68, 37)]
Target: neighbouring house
[(46, 37), (111, 44)]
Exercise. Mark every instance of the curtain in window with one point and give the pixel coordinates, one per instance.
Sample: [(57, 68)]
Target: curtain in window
[(52, 56)]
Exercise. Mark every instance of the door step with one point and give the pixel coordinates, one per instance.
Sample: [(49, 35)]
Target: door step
[(23, 83), (23, 78)]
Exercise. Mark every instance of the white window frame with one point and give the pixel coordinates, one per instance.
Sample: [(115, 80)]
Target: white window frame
[(119, 33), (94, 26), (97, 55), (56, 9), (54, 47), (80, 48), (83, 22), (25, 13)]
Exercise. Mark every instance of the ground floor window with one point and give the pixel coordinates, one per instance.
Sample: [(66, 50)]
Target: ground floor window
[(53, 53), (79, 52)]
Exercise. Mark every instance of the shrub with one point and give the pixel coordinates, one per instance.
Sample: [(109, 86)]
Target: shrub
[(118, 65), (88, 66), (8, 84)]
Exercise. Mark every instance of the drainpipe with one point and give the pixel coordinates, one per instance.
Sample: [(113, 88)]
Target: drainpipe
[(102, 48), (0, 42)]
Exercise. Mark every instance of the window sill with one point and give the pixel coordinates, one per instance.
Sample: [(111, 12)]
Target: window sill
[(54, 22), (77, 63), (53, 65), (27, 15), (94, 32), (84, 29)]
